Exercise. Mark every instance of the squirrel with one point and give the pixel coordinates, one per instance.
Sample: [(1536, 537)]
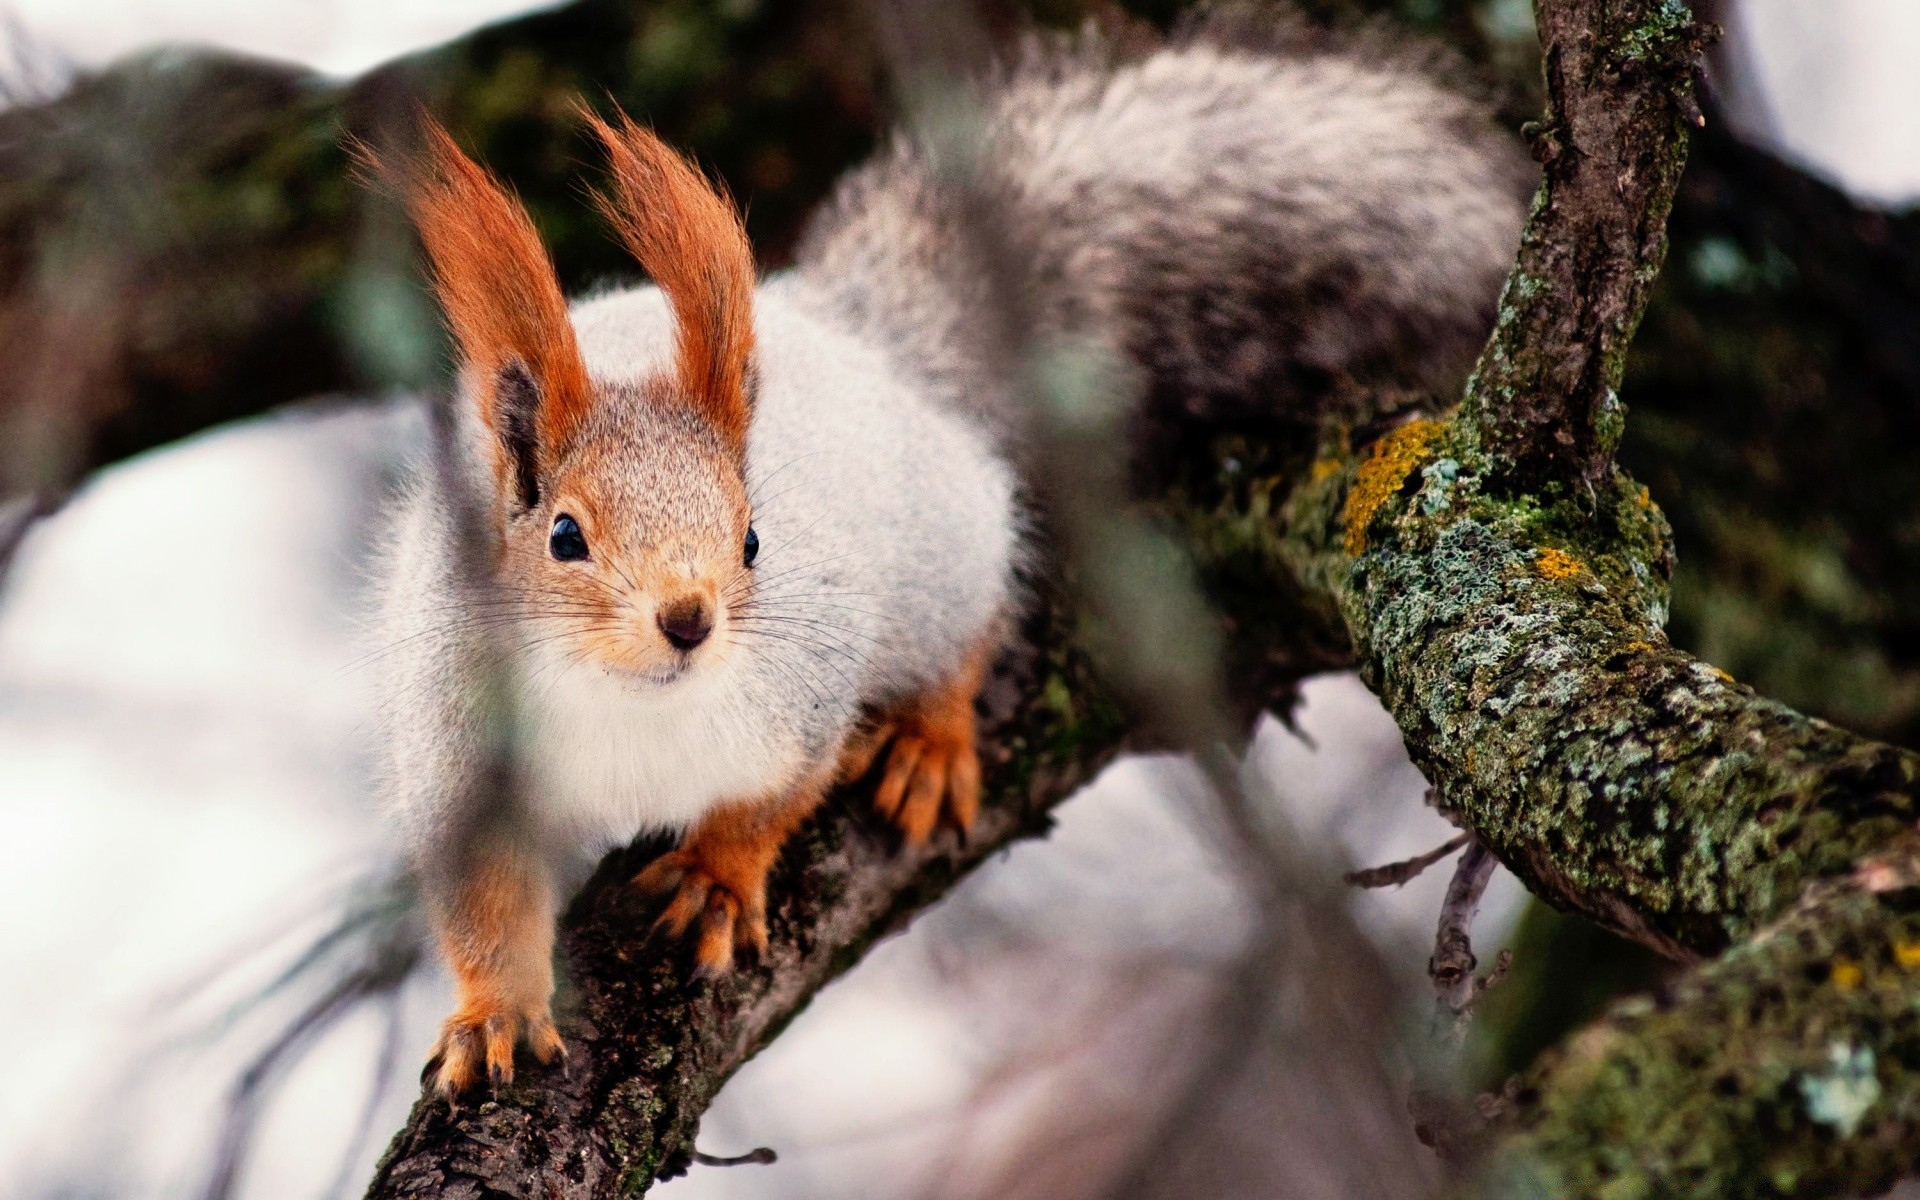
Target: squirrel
[(700, 550)]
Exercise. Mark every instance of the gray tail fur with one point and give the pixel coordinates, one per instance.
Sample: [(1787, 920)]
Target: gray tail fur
[(1254, 212)]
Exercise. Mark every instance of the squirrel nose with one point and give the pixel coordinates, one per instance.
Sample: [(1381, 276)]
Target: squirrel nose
[(686, 622)]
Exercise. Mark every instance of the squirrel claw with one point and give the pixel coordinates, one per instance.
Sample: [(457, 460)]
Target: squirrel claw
[(470, 1041), (932, 772), (930, 779), (704, 907)]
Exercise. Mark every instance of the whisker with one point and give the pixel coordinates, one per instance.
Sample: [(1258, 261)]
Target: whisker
[(820, 652)]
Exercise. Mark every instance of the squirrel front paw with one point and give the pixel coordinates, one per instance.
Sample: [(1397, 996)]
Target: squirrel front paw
[(933, 765), (721, 903), (482, 1035), (932, 774)]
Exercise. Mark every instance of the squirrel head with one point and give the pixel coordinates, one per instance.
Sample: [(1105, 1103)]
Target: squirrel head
[(624, 525)]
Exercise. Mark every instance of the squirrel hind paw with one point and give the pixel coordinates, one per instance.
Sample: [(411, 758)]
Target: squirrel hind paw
[(705, 908), (473, 1042), (931, 777)]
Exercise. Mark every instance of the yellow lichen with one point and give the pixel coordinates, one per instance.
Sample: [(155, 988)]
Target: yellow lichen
[(1388, 463), (1907, 954), (1324, 469), (1847, 974), (1558, 564)]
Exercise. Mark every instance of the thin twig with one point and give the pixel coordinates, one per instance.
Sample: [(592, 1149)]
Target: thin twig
[(1397, 873), (1442, 1119), (763, 1155), (1453, 963)]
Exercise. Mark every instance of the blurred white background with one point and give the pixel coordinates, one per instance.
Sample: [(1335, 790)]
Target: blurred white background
[(183, 713), (339, 37)]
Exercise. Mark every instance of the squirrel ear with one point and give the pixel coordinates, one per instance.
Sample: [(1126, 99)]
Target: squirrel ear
[(502, 301), (687, 235)]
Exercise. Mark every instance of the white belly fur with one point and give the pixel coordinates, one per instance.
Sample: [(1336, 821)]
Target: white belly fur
[(608, 760)]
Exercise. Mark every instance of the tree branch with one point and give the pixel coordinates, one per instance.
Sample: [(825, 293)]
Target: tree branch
[(1619, 86), (1782, 1068), (1452, 967), (1516, 639)]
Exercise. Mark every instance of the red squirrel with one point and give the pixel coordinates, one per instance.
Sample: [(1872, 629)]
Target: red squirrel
[(739, 540)]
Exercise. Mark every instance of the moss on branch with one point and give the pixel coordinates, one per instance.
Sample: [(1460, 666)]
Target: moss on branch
[(1786, 1067), (1518, 644)]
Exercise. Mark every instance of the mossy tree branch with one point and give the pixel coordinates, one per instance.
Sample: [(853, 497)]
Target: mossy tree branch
[(1504, 587)]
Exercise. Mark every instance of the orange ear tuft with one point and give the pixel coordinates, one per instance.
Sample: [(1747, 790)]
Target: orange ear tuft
[(501, 297), (688, 236)]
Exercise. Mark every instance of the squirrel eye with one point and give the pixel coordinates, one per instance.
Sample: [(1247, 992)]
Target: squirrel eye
[(566, 542), (752, 550)]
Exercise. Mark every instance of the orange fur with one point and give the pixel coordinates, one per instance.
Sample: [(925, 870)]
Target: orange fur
[(688, 236), (497, 935), (933, 770), (715, 884), (494, 281)]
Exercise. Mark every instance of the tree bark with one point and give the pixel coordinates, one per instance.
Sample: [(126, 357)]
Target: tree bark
[(1545, 396)]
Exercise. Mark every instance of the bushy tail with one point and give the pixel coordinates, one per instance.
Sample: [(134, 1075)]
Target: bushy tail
[(1253, 212)]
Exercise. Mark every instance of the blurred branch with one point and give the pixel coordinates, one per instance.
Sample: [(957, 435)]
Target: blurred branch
[(17, 516), (182, 245), (651, 1057), (365, 956), (1155, 640)]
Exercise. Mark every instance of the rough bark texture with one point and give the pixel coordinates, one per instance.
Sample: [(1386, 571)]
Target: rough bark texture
[(1785, 1067), (1545, 394), (1518, 645)]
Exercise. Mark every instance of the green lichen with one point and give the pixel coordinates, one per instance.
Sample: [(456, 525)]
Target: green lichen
[(1667, 27), (1762, 1075), (1517, 640), (631, 1125), (1842, 1095), (1436, 496)]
